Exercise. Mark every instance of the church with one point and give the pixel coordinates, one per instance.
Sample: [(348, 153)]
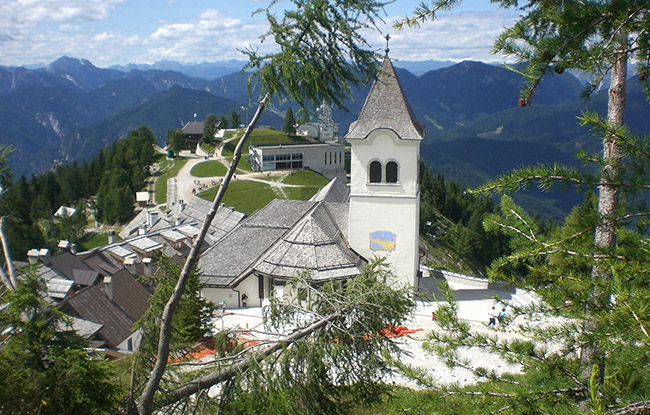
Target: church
[(335, 233)]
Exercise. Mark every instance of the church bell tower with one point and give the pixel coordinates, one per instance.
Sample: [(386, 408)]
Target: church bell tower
[(384, 188)]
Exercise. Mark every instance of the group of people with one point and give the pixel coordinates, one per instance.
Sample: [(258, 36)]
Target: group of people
[(495, 316)]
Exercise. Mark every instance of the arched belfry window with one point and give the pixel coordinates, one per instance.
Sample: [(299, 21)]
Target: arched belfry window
[(374, 172), (392, 172)]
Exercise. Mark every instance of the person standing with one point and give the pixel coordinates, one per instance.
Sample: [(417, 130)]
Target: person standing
[(492, 317)]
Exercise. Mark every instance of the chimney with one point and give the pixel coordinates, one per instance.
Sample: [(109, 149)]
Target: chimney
[(148, 266), (151, 218), (108, 287), (177, 221), (142, 230), (73, 249), (129, 264), (111, 237), (32, 254), (44, 256)]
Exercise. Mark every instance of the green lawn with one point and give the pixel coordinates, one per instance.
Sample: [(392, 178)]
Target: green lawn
[(243, 195), (265, 136), (209, 169), (300, 193), (93, 240), (209, 148), (306, 178), (161, 183), (244, 165)]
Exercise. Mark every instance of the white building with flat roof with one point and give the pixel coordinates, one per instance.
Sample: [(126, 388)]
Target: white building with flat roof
[(327, 159)]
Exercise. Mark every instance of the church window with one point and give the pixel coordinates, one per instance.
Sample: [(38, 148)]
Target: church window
[(391, 172), (375, 172)]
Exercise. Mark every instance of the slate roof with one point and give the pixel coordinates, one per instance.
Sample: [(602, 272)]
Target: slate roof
[(130, 300), (73, 268), (334, 191), (386, 107), (92, 304), (129, 294), (159, 219), (99, 263), (194, 127), (238, 250), (281, 239), (83, 327), (316, 244), (224, 221)]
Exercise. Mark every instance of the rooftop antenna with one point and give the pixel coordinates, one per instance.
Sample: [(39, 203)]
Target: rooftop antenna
[(387, 39)]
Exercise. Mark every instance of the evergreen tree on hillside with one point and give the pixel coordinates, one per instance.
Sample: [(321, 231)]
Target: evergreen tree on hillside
[(593, 271), (210, 128), (223, 122), (235, 119), (175, 140), (289, 126), (45, 366)]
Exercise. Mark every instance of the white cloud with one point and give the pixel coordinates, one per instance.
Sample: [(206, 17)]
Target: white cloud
[(453, 36), (31, 12), (208, 35)]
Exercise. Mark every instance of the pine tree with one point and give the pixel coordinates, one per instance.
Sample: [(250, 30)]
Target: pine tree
[(210, 128), (223, 122), (45, 366), (235, 119), (289, 125), (592, 267)]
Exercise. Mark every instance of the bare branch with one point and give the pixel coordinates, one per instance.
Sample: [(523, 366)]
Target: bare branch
[(145, 405)]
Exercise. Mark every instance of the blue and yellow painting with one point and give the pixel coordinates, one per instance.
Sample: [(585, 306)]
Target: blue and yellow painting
[(382, 241)]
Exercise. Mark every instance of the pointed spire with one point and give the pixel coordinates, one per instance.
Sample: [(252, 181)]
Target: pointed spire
[(387, 107), (387, 39)]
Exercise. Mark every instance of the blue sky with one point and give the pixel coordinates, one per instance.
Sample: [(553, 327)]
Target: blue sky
[(108, 32)]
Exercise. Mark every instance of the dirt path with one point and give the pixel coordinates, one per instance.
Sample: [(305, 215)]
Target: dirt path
[(187, 186)]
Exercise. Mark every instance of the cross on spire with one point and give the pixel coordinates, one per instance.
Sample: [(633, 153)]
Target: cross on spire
[(387, 39)]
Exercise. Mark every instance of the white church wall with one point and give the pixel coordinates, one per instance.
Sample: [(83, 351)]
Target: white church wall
[(385, 227), (384, 146), (384, 217), (217, 295)]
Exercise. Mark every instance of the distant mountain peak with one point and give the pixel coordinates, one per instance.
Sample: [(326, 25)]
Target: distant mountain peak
[(66, 63)]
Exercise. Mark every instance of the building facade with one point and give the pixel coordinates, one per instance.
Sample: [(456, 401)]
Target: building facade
[(327, 159), (384, 187)]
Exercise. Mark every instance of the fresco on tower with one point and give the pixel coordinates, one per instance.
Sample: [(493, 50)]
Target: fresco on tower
[(382, 241)]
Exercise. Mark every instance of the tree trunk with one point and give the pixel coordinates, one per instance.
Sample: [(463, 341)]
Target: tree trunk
[(9, 280), (145, 404), (608, 197)]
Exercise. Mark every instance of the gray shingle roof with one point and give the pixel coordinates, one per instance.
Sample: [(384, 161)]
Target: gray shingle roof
[(241, 248), (224, 221), (283, 238), (386, 107), (130, 300), (315, 244), (194, 127), (92, 304), (334, 191)]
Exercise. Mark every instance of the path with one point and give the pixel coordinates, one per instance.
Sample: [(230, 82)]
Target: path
[(185, 186)]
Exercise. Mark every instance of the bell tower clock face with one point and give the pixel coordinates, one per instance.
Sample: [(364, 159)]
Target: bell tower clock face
[(383, 241)]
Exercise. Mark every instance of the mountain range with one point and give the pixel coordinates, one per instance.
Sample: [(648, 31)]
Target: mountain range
[(70, 109)]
